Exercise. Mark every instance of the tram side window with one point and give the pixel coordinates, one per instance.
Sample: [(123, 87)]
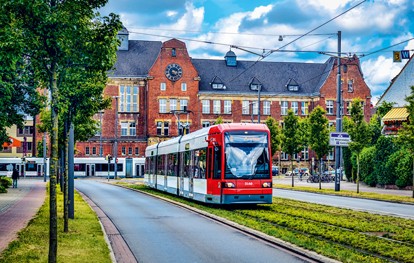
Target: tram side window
[(160, 164), (172, 164), (217, 163), (81, 167), (200, 163), (187, 160)]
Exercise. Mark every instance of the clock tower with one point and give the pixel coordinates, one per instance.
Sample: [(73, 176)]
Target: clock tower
[(123, 36)]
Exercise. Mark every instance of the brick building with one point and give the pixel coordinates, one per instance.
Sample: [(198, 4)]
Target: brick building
[(159, 91)]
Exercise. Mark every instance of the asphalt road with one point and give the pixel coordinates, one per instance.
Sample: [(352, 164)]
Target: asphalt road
[(373, 206), (157, 231)]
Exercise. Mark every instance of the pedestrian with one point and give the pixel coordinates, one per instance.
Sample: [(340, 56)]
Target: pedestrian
[(15, 177)]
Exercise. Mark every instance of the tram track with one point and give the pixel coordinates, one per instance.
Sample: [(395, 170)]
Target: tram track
[(303, 254)]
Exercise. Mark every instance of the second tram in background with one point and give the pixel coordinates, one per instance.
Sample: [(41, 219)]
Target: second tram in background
[(221, 164)]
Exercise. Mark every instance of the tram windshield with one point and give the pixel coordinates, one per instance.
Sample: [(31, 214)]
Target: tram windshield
[(247, 155)]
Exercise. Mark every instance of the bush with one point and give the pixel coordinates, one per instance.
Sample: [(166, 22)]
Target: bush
[(366, 165), (390, 172), (385, 147), (6, 182), (404, 171)]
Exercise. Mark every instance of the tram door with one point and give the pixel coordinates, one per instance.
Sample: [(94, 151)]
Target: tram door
[(128, 168), (90, 169)]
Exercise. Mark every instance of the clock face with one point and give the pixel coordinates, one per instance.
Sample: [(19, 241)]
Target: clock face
[(173, 72)]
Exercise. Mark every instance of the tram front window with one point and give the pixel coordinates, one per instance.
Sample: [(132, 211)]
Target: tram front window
[(247, 155)]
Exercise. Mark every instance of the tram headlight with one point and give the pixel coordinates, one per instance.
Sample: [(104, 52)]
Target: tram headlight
[(229, 185), (267, 185)]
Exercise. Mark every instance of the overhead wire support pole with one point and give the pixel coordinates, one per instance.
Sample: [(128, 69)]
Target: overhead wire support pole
[(338, 115)]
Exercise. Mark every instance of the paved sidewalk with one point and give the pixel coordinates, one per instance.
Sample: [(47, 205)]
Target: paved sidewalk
[(18, 206)]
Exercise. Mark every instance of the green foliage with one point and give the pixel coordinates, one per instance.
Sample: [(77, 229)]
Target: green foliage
[(219, 120), (404, 169), (375, 128), (319, 132), (385, 147), (275, 135), (384, 108), (366, 165), (5, 183), (291, 138)]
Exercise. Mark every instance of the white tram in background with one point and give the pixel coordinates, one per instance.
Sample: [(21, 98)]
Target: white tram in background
[(29, 166), (83, 167), (221, 164)]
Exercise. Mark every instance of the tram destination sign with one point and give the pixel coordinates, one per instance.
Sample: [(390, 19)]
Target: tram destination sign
[(339, 139)]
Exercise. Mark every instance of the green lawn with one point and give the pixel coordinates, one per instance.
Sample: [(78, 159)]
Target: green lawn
[(83, 243), (342, 234)]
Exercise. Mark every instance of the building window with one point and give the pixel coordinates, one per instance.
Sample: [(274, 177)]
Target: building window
[(87, 150), (129, 150), (27, 130), (136, 151), (284, 156), (184, 128), (173, 52), (128, 100), (295, 107), (304, 108), (93, 150), (350, 85), (183, 105), (163, 86), (255, 108), (162, 128), (266, 107), (183, 86), (245, 107), (305, 153), (348, 107), (124, 128), (329, 106), (123, 150), (330, 156), (173, 104), (132, 129), (284, 107), (293, 87), (163, 106), (216, 106), (205, 124), (227, 107), (206, 106)]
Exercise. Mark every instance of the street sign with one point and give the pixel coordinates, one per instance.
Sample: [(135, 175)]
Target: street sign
[(405, 54), (339, 139)]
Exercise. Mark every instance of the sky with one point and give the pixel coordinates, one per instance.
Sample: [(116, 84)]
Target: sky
[(370, 29)]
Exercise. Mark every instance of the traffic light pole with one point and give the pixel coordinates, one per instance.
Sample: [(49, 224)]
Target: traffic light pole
[(338, 117)]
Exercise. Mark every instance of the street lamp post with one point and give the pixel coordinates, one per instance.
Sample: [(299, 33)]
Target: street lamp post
[(338, 115)]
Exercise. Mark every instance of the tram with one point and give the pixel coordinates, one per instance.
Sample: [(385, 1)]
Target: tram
[(221, 164), (83, 167)]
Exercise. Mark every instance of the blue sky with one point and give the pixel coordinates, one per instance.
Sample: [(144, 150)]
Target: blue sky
[(256, 26)]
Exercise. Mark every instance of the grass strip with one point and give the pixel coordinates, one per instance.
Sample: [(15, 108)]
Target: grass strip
[(342, 234), (347, 193), (83, 243)]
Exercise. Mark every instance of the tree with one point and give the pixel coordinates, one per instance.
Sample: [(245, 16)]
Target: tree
[(274, 134), (319, 135), (359, 133), (406, 134), (59, 36), (291, 138)]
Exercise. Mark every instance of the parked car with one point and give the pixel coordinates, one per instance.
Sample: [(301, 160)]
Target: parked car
[(295, 172), (275, 170)]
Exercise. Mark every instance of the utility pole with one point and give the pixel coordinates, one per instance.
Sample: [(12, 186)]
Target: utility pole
[(116, 139), (338, 115)]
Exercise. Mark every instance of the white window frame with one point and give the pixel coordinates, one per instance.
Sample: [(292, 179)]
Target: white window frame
[(216, 106), (173, 104), (128, 98), (205, 124), (205, 106), (183, 103), (132, 128), (304, 108), (162, 105), (183, 86), (163, 86), (245, 107), (284, 107), (227, 107), (266, 107), (124, 128), (330, 107), (255, 107), (295, 107)]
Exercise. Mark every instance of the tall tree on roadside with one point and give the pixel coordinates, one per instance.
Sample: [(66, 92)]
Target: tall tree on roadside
[(406, 134), (359, 133), (291, 138), (55, 39), (319, 135), (273, 126)]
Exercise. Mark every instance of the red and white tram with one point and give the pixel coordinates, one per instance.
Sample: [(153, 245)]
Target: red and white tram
[(222, 164)]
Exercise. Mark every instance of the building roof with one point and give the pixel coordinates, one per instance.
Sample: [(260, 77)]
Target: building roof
[(400, 85), (137, 60), (396, 114), (273, 76)]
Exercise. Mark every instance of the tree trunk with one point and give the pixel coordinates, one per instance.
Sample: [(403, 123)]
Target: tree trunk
[(65, 188), (413, 177), (320, 173), (357, 173), (53, 169), (292, 174)]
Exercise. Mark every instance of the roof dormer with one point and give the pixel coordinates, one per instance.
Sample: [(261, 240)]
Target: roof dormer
[(217, 83), (292, 85), (123, 36), (231, 59)]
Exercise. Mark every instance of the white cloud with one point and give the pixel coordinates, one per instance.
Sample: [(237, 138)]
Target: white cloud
[(191, 20)]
